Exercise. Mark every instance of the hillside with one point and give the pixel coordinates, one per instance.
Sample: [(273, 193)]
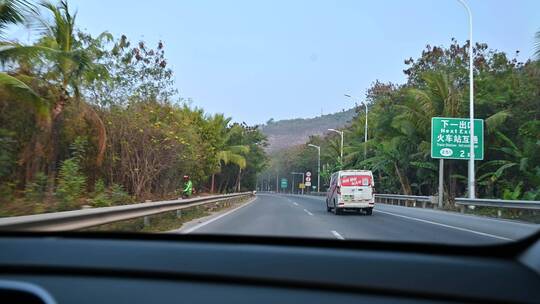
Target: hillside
[(286, 133)]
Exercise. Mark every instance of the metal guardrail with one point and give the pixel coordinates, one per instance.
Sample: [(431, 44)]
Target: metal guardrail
[(411, 200), (400, 197), (516, 204), (407, 200), (79, 219)]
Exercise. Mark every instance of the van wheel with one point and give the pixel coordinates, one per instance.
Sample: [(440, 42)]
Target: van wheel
[(336, 209), (369, 211)]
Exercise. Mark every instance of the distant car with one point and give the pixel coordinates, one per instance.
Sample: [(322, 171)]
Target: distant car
[(351, 190)]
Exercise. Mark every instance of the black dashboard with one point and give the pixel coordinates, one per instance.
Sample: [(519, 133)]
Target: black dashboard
[(150, 268)]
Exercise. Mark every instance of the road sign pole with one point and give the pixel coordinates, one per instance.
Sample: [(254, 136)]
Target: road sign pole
[(319, 172), (365, 132), (341, 157), (303, 182), (441, 182)]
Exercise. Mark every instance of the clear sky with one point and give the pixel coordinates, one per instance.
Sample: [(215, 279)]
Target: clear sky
[(255, 60)]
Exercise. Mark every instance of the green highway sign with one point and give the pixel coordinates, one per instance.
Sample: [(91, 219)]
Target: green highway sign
[(450, 138), (284, 183)]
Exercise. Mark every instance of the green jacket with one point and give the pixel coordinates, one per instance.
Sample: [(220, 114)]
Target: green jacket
[(188, 188)]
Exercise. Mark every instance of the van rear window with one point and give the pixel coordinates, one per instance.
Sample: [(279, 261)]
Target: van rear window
[(356, 180)]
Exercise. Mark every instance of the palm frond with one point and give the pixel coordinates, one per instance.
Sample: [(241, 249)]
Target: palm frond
[(24, 93), (238, 160), (424, 100), (508, 143), (493, 163), (496, 120), (501, 170), (12, 51), (13, 12), (425, 165), (239, 149)]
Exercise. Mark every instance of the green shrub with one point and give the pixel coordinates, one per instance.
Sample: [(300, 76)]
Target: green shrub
[(35, 190), (71, 182), (100, 198), (7, 192), (8, 158), (114, 195), (99, 187), (119, 196)]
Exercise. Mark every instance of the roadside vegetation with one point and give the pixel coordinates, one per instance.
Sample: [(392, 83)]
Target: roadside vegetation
[(507, 97), (96, 120)]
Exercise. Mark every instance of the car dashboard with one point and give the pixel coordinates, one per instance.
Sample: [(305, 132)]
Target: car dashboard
[(126, 268)]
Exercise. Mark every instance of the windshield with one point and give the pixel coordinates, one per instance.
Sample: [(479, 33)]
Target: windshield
[(349, 120)]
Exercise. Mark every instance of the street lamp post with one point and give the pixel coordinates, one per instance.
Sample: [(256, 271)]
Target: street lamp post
[(292, 185), (471, 187), (318, 166), (341, 154), (365, 127), (299, 173)]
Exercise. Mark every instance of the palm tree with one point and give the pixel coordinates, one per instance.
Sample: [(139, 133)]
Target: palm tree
[(234, 155), (70, 62), (228, 153)]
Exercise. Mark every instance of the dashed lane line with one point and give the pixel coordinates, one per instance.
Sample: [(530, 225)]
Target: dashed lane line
[(337, 235)]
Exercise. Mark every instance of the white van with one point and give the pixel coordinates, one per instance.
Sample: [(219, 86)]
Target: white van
[(351, 190)]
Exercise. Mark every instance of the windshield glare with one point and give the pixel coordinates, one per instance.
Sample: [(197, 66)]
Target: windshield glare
[(375, 120)]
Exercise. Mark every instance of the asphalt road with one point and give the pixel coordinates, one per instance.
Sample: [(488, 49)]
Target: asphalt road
[(306, 216)]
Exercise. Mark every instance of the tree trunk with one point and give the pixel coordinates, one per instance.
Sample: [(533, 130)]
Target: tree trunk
[(238, 180), (56, 123), (221, 185), (53, 152), (212, 184), (403, 180)]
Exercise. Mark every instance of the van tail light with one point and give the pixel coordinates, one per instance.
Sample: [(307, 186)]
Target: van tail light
[(338, 190)]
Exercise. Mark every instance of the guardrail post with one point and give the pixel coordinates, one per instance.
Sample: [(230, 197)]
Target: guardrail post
[(146, 221), (499, 213), (179, 213), (434, 200)]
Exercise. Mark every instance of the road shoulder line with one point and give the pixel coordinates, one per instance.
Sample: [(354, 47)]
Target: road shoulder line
[(213, 219), (446, 226)]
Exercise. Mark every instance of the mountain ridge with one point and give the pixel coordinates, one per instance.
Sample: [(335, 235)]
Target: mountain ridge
[(286, 133)]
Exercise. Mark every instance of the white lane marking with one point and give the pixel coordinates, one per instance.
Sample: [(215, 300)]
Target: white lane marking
[(308, 212), (447, 226), (337, 235), (295, 203), (189, 230)]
